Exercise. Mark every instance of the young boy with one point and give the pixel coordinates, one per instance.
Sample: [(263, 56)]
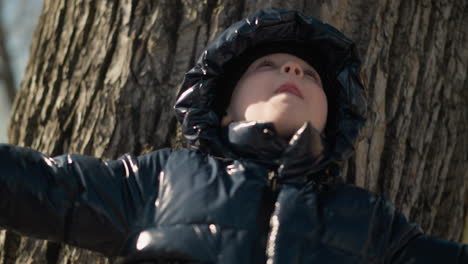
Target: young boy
[(273, 106)]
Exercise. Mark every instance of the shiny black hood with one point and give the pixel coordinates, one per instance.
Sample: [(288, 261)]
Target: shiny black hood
[(207, 83)]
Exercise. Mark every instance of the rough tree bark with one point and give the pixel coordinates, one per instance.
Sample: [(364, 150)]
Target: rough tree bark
[(103, 76)]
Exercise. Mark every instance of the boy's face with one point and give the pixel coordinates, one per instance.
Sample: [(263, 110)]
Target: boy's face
[(279, 88)]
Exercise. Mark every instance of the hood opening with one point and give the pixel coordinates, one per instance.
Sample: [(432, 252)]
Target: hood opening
[(207, 87), (309, 52)]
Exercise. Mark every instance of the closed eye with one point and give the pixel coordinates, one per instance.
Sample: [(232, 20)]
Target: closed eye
[(265, 62), (312, 74)]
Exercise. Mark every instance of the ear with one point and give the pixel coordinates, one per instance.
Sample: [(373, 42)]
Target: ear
[(227, 119)]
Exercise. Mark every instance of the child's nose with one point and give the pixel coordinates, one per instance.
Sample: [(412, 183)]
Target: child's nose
[(292, 68)]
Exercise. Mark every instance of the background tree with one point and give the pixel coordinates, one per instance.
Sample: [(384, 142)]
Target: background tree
[(6, 71), (103, 76), (18, 20)]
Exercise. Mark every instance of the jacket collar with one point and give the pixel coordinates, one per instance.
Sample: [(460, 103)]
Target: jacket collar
[(303, 155)]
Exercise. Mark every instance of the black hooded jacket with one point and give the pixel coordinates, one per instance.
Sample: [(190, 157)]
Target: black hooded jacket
[(243, 195)]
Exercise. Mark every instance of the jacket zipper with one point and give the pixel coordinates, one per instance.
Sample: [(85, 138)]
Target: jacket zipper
[(273, 221), (273, 180)]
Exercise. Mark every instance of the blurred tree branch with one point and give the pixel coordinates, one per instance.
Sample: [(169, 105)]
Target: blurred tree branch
[(6, 71)]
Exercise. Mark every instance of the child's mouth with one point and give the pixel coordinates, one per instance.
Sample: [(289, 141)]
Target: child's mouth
[(290, 88)]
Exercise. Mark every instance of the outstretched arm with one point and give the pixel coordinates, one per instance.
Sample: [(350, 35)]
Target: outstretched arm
[(83, 201), (367, 225), (426, 249)]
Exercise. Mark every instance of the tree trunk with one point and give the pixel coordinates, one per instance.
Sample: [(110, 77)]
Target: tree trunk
[(103, 76)]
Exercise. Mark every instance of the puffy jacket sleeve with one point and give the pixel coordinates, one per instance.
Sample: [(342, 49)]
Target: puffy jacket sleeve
[(79, 200), (425, 249)]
